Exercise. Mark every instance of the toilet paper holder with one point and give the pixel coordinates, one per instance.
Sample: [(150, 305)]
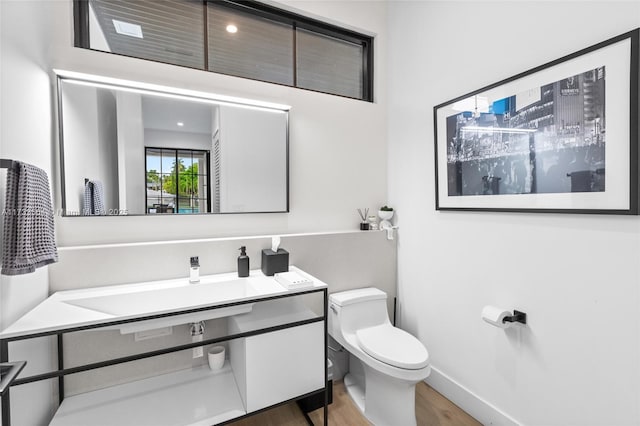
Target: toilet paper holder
[(517, 316)]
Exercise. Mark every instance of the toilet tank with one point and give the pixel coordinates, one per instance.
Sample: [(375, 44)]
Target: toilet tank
[(355, 309)]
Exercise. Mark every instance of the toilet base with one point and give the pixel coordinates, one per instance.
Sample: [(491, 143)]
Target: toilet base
[(384, 400), (355, 389)]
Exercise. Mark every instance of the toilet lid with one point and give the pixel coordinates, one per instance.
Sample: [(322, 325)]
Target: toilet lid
[(393, 346)]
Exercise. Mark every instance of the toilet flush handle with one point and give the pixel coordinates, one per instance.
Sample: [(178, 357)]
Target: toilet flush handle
[(333, 308)]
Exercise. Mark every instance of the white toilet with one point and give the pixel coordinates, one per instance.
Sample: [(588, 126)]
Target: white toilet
[(385, 363)]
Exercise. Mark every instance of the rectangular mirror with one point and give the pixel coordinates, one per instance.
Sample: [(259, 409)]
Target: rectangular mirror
[(131, 150)]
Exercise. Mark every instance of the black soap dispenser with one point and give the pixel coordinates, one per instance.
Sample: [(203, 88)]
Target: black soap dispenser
[(243, 263)]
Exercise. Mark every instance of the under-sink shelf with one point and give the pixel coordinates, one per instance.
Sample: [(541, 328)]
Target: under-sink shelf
[(194, 397)]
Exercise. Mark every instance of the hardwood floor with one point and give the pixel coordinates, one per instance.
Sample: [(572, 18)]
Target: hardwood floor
[(432, 409), (342, 411)]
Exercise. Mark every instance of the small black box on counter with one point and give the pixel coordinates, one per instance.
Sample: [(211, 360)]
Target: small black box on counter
[(274, 261)]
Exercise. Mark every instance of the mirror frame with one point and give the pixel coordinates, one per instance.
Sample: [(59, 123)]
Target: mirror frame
[(165, 91)]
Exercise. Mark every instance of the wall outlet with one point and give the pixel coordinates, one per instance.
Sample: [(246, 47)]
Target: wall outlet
[(152, 334)]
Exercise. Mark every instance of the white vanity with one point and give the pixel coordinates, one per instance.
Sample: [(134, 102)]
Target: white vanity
[(276, 339)]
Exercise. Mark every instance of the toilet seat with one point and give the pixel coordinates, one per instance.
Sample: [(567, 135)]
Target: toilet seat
[(393, 346)]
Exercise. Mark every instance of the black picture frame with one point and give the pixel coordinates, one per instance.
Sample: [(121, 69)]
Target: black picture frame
[(559, 138)]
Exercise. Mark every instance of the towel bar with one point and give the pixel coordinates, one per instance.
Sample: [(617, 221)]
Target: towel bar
[(7, 164)]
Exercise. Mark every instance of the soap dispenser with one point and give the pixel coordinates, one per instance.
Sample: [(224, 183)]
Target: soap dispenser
[(243, 263)]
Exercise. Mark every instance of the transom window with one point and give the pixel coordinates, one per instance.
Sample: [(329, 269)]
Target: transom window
[(241, 38)]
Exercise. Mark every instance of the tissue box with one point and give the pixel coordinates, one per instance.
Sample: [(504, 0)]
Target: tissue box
[(274, 261)]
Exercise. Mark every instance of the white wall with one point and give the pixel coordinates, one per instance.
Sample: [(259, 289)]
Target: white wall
[(253, 167), (337, 145), (175, 140), (576, 276), (130, 153), (107, 149), (81, 141), (90, 135), (26, 131)]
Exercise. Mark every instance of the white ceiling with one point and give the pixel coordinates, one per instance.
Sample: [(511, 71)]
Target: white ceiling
[(163, 113)]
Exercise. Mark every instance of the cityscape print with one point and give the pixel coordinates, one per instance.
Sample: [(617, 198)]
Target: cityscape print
[(550, 139)]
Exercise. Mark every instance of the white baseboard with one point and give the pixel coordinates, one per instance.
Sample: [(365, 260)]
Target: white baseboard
[(475, 406)]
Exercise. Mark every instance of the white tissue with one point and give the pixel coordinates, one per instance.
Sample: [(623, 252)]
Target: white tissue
[(494, 316), (275, 243)]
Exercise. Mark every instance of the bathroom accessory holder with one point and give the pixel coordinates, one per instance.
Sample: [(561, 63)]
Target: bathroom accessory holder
[(274, 261), (6, 163), (517, 316), (364, 225), (215, 357), (243, 263)]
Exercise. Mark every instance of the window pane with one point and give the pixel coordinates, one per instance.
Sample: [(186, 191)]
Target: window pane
[(168, 161), (260, 49), (154, 161), (184, 191), (156, 196), (184, 158), (187, 205), (166, 31), (168, 185), (200, 161), (329, 65)]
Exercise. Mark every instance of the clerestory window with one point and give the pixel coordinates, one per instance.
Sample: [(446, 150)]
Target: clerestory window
[(241, 38)]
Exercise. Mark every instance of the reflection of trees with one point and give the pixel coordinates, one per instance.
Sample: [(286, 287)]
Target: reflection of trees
[(182, 180), (170, 183), (188, 184), (154, 178)]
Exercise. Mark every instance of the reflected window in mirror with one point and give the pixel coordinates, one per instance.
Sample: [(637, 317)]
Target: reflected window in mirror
[(177, 181)]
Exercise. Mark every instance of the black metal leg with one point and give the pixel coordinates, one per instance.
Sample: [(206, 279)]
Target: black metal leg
[(326, 407), (6, 408), (60, 367), (326, 358), (307, 418), (6, 402)]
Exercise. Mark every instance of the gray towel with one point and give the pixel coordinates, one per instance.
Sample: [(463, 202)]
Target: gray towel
[(94, 198), (28, 226)]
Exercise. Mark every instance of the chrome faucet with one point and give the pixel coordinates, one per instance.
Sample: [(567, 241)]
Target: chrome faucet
[(194, 272)]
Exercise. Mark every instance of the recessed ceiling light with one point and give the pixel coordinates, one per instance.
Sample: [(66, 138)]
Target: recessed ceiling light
[(232, 29), (180, 123), (128, 29)]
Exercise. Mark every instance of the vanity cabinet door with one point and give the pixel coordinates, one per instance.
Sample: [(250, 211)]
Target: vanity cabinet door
[(279, 366)]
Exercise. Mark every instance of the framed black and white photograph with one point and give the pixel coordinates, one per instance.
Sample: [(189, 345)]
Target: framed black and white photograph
[(560, 138)]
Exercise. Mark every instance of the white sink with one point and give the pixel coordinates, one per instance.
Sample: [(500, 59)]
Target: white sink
[(182, 296), (88, 307)]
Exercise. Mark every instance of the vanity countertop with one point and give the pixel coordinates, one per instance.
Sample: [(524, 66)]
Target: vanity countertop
[(72, 309)]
